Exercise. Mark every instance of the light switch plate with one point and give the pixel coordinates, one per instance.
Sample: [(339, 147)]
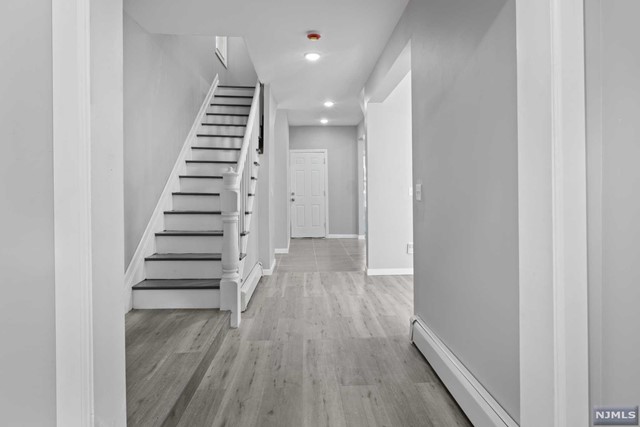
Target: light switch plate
[(418, 191), (410, 248)]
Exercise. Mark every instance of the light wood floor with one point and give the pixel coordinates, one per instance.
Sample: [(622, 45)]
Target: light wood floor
[(323, 345)]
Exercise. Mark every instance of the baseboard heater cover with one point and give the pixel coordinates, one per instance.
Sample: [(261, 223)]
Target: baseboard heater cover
[(476, 402), (249, 285)]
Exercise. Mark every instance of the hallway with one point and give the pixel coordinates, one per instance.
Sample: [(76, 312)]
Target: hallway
[(323, 347)]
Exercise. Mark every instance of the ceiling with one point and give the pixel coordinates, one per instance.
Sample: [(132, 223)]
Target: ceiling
[(354, 33)]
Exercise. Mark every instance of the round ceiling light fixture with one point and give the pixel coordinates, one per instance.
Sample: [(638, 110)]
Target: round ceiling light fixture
[(324, 121), (312, 56), (314, 36), (329, 104)]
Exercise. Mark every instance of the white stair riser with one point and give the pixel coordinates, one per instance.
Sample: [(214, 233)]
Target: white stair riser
[(192, 222), (219, 99), (225, 109), (241, 91), (209, 168), (223, 155), (221, 130), (200, 185), (176, 298), (231, 120), (220, 142), (183, 269), (189, 244), (183, 202)]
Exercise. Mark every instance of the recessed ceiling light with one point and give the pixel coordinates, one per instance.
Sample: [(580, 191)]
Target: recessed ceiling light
[(329, 104), (312, 56), (324, 121)]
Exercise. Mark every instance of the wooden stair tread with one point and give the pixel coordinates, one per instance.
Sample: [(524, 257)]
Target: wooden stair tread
[(188, 257), (202, 135), (189, 233), (212, 161), (234, 96), (235, 87), (223, 124), (177, 284), (195, 233), (183, 193), (192, 212), (227, 114)]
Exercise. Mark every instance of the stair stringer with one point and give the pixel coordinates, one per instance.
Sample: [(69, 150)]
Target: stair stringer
[(135, 272)]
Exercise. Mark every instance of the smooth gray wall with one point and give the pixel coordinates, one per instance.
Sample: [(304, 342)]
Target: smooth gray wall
[(265, 194), (613, 153), (27, 318), (463, 63), (341, 145), (362, 141), (282, 211), (166, 78), (390, 207)]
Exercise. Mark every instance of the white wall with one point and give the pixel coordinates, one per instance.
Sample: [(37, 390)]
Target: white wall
[(340, 142), (389, 202), (166, 78), (27, 319), (613, 90), (463, 63), (282, 197)]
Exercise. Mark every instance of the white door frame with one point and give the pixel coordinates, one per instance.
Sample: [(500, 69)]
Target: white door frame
[(552, 210), (326, 185)]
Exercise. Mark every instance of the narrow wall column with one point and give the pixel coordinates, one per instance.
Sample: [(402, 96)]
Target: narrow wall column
[(88, 205), (554, 383)]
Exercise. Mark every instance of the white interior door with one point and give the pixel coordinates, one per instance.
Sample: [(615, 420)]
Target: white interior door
[(308, 193)]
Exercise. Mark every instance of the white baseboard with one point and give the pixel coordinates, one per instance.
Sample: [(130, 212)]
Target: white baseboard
[(249, 285), (389, 271), (269, 271), (476, 402), (342, 236), (362, 236), (147, 246), (282, 251)]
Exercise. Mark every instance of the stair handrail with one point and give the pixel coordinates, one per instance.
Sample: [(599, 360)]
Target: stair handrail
[(246, 141), (233, 202)]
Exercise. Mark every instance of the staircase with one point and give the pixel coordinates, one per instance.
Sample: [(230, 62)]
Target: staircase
[(200, 234)]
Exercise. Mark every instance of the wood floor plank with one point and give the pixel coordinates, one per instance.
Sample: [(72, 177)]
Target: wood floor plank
[(322, 406), (241, 404), (363, 406), (443, 410), (281, 407), (319, 345)]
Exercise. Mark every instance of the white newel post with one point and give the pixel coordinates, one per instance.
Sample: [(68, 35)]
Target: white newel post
[(230, 282)]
